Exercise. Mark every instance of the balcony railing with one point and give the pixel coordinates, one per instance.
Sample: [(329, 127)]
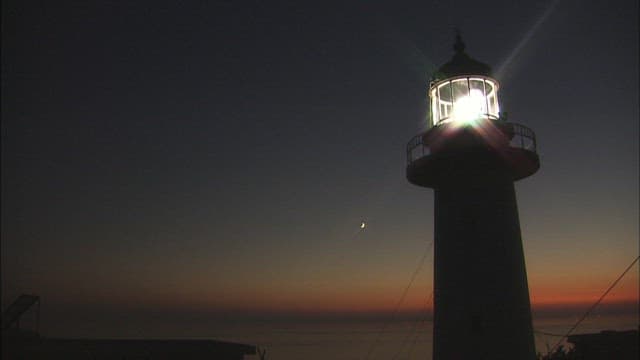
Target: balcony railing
[(416, 148), (522, 138)]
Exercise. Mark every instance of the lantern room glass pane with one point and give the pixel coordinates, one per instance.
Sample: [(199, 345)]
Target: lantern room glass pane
[(444, 101), (435, 114), (477, 94), (460, 89), (492, 98)]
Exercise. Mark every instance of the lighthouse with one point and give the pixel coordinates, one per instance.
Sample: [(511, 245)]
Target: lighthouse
[(471, 155)]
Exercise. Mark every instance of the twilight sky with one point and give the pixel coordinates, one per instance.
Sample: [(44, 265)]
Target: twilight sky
[(218, 157)]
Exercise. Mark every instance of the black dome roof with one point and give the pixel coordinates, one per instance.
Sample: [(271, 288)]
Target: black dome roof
[(461, 64)]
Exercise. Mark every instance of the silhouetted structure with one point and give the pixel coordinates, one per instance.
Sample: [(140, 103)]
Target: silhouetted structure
[(471, 156), (86, 349), (619, 345), (19, 343)]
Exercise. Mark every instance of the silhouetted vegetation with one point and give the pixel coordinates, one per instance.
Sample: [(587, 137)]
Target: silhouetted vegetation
[(559, 354)]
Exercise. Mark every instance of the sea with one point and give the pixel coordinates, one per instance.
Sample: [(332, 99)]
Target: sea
[(385, 339), (368, 336)]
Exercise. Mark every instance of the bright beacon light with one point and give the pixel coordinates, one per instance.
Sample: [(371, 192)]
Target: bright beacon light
[(464, 100), (469, 108)]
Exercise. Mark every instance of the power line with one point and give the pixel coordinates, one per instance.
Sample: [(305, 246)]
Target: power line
[(414, 329), (594, 305), (404, 294), (424, 319)]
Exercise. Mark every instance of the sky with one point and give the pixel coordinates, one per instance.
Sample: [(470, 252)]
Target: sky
[(218, 158)]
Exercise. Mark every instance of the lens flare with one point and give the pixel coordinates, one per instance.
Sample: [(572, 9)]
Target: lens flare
[(468, 109)]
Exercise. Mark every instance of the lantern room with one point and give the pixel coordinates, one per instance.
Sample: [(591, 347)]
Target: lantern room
[(464, 100), (466, 130), (462, 91)]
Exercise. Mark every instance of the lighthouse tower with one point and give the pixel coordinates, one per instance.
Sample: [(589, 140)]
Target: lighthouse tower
[(471, 156)]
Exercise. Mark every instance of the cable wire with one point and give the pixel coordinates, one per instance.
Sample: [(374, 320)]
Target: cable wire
[(424, 319), (404, 294), (415, 327), (594, 305)]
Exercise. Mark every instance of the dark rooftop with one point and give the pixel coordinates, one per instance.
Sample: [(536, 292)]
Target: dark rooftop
[(461, 63)]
